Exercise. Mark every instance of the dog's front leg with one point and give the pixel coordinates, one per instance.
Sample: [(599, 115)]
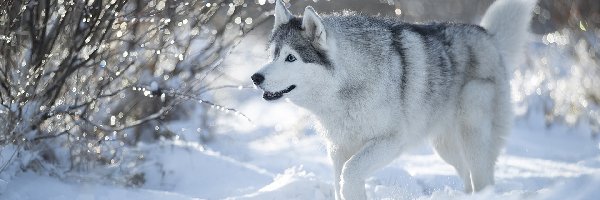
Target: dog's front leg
[(373, 155), (338, 158)]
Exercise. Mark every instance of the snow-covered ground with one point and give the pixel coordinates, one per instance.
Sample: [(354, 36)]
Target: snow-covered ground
[(278, 156)]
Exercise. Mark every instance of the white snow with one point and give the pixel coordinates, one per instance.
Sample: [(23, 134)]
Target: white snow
[(261, 165), (32, 186), (277, 157)]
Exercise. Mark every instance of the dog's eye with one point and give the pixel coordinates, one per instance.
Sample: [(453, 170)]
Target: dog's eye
[(290, 58)]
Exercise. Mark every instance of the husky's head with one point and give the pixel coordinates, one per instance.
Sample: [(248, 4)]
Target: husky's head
[(299, 67)]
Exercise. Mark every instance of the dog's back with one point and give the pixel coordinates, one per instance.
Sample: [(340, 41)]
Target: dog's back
[(417, 70)]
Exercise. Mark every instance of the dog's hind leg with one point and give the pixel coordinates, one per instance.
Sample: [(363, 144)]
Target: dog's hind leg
[(476, 129), (373, 155), (448, 147)]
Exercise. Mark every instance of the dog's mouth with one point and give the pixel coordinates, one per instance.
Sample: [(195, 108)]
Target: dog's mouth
[(269, 96)]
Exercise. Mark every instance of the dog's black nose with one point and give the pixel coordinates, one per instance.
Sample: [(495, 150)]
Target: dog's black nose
[(257, 78)]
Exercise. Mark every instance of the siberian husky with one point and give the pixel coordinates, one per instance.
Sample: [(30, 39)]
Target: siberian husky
[(378, 86)]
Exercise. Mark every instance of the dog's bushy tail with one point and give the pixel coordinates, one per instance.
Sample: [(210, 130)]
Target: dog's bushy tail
[(508, 23)]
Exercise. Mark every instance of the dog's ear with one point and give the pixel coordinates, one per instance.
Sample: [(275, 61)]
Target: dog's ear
[(313, 27), (282, 14)]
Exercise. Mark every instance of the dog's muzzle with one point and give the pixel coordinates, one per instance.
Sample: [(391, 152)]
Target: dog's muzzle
[(257, 79)]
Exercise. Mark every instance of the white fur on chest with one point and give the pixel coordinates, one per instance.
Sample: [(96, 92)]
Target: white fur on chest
[(357, 124)]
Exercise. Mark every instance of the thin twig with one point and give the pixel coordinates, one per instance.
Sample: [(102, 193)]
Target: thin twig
[(11, 158)]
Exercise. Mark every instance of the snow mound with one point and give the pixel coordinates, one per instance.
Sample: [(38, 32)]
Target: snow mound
[(294, 183), (186, 168)]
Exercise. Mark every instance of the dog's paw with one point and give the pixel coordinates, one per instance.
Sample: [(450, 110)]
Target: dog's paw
[(352, 189)]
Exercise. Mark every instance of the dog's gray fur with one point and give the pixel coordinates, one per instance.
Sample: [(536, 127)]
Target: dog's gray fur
[(379, 85)]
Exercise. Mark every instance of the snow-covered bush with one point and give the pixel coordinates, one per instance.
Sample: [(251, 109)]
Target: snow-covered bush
[(81, 81), (561, 78)]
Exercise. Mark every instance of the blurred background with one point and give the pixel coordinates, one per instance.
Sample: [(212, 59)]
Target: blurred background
[(90, 89)]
